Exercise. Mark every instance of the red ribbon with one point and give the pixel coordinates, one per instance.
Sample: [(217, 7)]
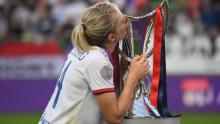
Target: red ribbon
[(158, 30)]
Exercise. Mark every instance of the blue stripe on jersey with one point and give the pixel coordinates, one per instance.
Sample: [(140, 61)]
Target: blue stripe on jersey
[(59, 84)]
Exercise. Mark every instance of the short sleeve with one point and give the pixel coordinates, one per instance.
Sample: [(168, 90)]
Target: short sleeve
[(100, 76)]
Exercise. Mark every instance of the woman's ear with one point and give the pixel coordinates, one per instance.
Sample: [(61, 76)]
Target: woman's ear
[(111, 38)]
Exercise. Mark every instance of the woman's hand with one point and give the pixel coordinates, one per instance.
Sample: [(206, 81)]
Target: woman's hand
[(139, 67)]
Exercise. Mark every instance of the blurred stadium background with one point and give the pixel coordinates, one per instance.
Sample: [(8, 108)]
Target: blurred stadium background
[(35, 38)]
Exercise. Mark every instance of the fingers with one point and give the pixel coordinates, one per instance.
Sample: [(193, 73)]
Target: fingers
[(148, 69), (136, 58), (140, 66), (143, 57), (146, 65)]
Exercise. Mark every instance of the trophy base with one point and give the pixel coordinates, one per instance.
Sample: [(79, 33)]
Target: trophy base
[(174, 120)]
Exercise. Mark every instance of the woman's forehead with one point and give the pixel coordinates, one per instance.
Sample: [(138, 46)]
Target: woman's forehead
[(118, 16)]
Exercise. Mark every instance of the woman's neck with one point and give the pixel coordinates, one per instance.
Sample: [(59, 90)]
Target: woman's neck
[(110, 47)]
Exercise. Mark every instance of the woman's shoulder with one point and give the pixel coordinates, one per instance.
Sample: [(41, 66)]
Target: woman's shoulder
[(97, 59), (98, 53)]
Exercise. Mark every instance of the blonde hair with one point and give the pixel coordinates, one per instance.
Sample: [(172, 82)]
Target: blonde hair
[(97, 23)]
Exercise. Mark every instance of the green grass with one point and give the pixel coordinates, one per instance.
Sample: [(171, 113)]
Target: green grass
[(196, 118), (17, 118), (203, 118)]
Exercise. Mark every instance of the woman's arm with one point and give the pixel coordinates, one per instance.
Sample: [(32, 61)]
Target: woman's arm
[(113, 108)]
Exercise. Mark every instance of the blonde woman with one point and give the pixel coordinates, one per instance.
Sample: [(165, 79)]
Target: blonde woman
[(84, 93)]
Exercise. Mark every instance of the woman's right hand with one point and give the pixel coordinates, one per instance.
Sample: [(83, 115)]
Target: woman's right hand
[(139, 67)]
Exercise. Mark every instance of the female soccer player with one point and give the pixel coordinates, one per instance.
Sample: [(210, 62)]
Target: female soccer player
[(84, 93)]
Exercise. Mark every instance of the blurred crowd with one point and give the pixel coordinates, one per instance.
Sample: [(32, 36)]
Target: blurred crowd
[(53, 20), (197, 25)]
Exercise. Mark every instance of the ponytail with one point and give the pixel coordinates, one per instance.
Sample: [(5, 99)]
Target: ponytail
[(78, 38)]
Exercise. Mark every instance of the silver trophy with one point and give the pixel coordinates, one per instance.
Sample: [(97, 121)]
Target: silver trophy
[(136, 42)]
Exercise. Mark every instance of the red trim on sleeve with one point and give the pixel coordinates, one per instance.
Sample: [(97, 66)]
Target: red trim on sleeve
[(103, 90)]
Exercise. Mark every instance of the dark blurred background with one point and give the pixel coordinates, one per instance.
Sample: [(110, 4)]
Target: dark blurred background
[(35, 39)]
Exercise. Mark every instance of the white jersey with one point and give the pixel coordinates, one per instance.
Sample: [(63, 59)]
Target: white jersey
[(73, 101)]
